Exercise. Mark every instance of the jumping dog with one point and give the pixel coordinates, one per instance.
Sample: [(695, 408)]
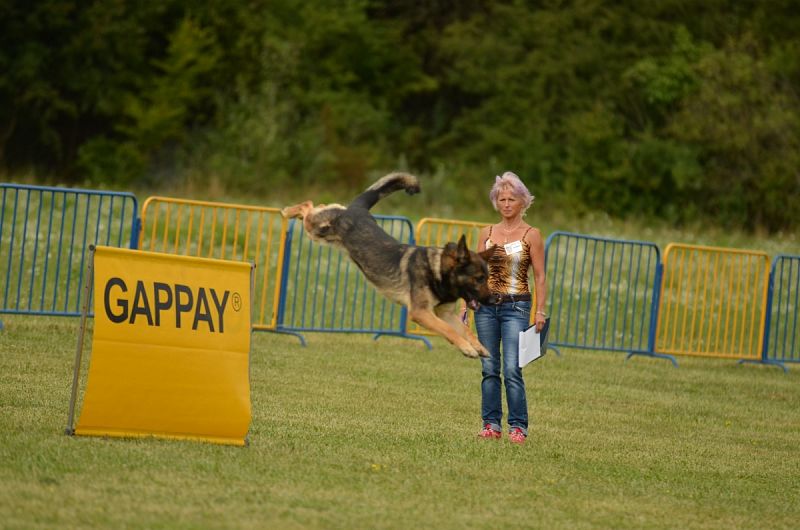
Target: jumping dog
[(427, 280)]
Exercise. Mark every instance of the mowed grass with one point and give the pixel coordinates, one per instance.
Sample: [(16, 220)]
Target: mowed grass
[(349, 432)]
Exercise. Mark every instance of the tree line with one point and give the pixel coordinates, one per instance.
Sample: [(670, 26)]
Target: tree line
[(686, 110)]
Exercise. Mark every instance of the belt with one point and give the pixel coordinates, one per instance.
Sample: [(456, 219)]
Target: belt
[(506, 298)]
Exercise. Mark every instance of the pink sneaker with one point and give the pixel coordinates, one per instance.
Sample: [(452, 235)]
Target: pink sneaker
[(516, 436), (489, 433)]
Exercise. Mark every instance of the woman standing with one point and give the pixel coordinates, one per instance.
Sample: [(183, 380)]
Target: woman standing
[(517, 247)]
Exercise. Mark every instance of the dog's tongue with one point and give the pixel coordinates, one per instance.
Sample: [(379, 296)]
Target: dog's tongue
[(473, 304)]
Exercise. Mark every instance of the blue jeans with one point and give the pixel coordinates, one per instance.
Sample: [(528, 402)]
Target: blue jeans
[(496, 324)]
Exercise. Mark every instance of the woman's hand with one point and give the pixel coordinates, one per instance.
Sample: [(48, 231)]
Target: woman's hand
[(539, 321)]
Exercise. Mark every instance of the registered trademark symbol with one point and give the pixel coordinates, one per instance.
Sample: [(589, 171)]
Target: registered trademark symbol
[(236, 300)]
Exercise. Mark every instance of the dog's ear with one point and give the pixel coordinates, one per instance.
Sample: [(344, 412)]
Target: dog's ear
[(487, 253), (462, 253)]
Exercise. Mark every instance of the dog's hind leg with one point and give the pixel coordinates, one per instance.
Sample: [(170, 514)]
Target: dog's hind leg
[(429, 320), (386, 185), (298, 210), (319, 221)]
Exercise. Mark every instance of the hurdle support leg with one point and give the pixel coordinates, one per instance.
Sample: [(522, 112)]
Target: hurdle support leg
[(289, 332), (671, 358), (79, 350), (768, 362)]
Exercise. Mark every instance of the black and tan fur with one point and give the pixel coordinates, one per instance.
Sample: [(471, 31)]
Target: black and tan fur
[(427, 280)]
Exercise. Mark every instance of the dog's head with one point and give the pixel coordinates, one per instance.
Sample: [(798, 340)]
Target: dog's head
[(466, 273)]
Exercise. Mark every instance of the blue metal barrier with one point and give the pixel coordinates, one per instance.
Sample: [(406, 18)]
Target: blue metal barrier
[(45, 233), (603, 293), (323, 290), (782, 326)]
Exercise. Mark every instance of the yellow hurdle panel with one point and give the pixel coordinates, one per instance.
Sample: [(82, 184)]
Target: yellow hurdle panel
[(222, 231), (713, 302), (170, 348)]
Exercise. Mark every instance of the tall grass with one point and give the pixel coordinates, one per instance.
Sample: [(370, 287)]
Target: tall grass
[(354, 433)]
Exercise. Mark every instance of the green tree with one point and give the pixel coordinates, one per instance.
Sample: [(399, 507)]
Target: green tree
[(745, 123), (157, 111), (682, 109)]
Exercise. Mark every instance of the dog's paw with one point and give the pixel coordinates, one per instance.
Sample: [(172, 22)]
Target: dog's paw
[(291, 212), (469, 351), (413, 189), (297, 210), (476, 344)]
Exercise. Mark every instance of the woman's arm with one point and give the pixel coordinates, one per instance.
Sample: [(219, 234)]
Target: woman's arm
[(537, 262)]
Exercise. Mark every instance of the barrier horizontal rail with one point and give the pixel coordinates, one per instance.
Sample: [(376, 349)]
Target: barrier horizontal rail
[(713, 302), (782, 327), (602, 292), (224, 231), (45, 233)]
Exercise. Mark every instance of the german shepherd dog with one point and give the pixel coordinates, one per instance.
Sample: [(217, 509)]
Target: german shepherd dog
[(427, 280)]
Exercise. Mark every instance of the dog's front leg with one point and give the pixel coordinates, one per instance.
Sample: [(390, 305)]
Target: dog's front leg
[(429, 320), (467, 334), (450, 314)]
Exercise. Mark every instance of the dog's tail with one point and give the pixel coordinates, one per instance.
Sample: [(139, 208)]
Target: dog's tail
[(384, 186)]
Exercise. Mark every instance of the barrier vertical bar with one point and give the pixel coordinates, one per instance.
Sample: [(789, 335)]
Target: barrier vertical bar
[(11, 247), (287, 252), (35, 253), (651, 336), (47, 248)]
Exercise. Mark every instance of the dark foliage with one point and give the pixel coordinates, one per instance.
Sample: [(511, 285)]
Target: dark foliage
[(682, 109)]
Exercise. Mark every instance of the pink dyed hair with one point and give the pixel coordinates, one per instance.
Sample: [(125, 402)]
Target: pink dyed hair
[(510, 181)]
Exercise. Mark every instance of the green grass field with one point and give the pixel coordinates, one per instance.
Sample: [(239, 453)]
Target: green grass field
[(354, 433)]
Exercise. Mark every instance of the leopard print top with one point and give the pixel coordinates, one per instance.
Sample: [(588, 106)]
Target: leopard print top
[(509, 274)]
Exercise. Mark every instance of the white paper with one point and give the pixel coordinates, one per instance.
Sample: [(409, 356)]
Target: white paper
[(530, 347)]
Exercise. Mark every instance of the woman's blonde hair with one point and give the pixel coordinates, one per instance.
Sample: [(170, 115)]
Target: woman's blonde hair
[(510, 181)]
